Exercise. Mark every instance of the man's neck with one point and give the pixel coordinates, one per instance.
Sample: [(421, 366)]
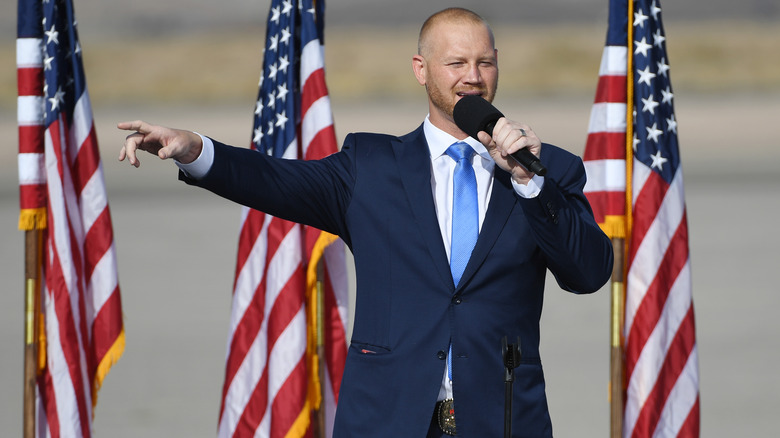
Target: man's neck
[(446, 124)]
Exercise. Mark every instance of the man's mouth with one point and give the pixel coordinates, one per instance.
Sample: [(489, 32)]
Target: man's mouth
[(469, 93)]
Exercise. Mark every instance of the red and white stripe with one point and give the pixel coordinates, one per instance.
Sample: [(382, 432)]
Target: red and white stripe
[(318, 141), (60, 174), (266, 376), (661, 355), (30, 115), (82, 307), (605, 150), (84, 329)]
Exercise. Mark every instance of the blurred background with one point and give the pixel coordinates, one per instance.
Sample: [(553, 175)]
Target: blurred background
[(194, 64)]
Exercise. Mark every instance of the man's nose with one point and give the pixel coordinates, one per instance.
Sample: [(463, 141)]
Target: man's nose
[(473, 75)]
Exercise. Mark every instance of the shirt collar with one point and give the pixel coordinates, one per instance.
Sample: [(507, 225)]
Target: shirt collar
[(439, 141)]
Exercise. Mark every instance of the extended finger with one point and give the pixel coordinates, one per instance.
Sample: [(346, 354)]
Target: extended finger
[(134, 125)]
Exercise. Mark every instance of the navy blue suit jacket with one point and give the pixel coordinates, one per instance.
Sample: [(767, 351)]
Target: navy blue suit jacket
[(376, 195)]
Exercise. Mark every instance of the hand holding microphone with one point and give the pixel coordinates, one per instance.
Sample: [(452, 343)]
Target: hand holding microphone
[(473, 114)]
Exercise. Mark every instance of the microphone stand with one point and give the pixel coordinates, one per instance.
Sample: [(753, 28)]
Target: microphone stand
[(511, 354)]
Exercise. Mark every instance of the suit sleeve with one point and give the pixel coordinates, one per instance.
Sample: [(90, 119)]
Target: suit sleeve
[(578, 253), (315, 193)]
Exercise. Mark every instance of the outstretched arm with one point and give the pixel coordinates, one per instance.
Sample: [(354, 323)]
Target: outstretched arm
[(183, 146)]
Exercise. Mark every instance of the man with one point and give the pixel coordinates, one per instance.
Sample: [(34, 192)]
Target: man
[(431, 311)]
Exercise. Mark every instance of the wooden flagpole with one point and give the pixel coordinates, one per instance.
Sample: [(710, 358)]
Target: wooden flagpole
[(616, 360), (33, 241), (619, 245), (319, 414)]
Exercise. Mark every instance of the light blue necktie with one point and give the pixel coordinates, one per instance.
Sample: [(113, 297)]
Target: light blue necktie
[(465, 217), (465, 210)]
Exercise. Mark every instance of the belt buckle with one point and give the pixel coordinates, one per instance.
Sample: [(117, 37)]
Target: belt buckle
[(446, 415)]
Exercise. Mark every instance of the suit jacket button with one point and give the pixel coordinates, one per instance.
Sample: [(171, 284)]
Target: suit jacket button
[(441, 355), (457, 299)]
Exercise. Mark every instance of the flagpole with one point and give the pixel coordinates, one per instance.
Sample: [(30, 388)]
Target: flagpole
[(616, 361), (31, 310), (319, 414), (617, 351)]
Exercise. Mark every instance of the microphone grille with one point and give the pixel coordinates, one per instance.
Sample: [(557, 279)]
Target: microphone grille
[(473, 114)]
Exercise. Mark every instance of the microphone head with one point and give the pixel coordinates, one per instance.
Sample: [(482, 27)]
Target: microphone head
[(473, 114)]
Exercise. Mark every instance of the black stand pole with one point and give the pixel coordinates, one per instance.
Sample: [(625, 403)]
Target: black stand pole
[(511, 353)]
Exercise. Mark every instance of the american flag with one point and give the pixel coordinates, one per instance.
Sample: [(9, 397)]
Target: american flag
[(661, 357), (271, 384), (605, 150), (62, 190)]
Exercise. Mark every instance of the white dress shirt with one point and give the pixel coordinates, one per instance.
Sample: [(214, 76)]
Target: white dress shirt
[(201, 165)]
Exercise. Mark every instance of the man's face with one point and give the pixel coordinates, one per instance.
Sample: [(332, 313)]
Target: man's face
[(458, 59)]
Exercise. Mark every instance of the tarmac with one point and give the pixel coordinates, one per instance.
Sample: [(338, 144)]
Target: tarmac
[(177, 244)]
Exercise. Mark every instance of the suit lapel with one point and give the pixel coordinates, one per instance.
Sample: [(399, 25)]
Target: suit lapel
[(502, 201), (414, 164)]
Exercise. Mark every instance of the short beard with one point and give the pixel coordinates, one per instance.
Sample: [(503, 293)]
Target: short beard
[(439, 100), (444, 104)]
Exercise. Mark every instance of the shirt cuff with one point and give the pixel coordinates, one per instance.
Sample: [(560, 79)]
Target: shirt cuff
[(201, 165), (530, 190)]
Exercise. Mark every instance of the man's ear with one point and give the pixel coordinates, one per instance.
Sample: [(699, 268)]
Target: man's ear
[(418, 66)]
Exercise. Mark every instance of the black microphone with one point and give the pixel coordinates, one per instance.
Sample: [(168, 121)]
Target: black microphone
[(473, 114)]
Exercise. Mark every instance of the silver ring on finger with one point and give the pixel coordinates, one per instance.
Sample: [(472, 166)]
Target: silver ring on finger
[(523, 133)]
